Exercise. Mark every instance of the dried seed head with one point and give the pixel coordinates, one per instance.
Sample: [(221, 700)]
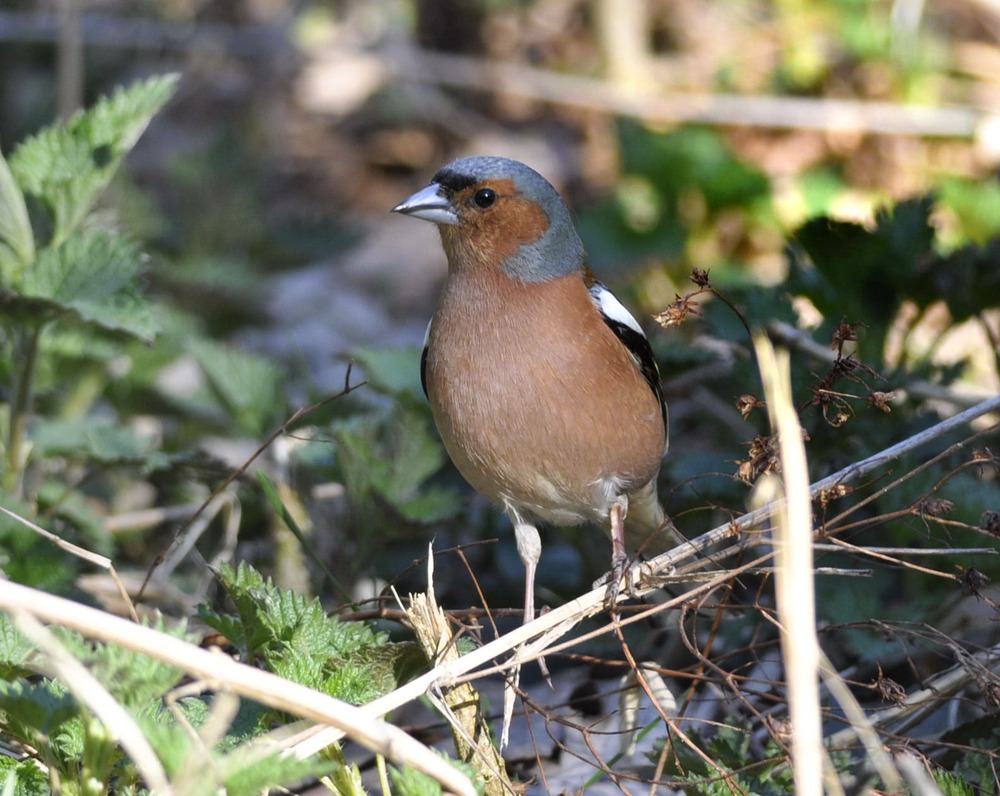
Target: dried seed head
[(676, 312), (974, 581), (827, 496), (880, 400), (700, 277), (935, 507), (990, 522), (747, 403), (845, 332), (838, 419), (889, 689)]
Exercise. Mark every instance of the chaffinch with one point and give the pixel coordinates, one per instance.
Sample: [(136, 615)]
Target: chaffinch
[(542, 385)]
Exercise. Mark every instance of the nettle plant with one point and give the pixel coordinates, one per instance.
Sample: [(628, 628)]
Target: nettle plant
[(70, 281)]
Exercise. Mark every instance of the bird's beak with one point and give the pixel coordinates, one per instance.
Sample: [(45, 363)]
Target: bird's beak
[(430, 205)]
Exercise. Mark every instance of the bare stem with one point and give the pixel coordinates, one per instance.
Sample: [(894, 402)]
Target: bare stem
[(26, 351)]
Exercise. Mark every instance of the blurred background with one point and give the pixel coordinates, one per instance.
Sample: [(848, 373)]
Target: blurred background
[(832, 164), (684, 135)]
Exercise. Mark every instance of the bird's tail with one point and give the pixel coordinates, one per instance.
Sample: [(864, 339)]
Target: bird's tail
[(648, 531)]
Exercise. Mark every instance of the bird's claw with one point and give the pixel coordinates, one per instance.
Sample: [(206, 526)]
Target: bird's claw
[(620, 567)]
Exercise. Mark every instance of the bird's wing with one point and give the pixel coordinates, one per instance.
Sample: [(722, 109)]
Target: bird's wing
[(628, 331)]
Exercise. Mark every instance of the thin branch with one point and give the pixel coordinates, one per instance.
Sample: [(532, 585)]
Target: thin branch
[(562, 620), (282, 429), (661, 105)]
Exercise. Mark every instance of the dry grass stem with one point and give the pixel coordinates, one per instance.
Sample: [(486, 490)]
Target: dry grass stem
[(80, 552), (227, 674), (460, 704), (793, 575)]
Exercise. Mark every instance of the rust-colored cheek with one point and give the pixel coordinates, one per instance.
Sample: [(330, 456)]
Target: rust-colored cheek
[(491, 237)]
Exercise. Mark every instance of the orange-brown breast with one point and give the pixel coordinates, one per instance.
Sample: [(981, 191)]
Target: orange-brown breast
[(536, 400)]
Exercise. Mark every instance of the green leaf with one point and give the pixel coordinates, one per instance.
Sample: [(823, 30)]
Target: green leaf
[(67, 167), (93, 276), (967, 280), (26, 557), (247, 771), (394, 459), (95, 440), (15, 228), (295, 638), (35, 711), (23, 777), (393, 371), (134, 679), (952, 784), (15, 650), (248, 386), (864, 274), (410, 782)]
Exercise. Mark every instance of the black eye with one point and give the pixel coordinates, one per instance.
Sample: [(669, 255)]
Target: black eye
[(485, 197)]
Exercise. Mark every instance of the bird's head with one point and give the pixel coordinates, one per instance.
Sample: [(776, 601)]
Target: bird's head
[(498, 213)]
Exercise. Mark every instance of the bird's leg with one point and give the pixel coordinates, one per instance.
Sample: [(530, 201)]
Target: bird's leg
[(529, 548), (619, 556)]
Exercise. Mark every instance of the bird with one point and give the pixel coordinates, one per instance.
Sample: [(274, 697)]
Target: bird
[(542, 385)]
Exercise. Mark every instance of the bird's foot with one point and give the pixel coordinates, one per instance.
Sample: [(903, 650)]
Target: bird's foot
[(621, 567)]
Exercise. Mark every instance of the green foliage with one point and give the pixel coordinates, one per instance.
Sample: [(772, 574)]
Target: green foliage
[(247, 386), (66, 167), (389, 462), (22, 778), (410, 782), (853, 273), (294, 637), (17, 242), (26, 557), (92, 276), (727, 750), (65, 263), (44, 715), (392, 371), (98, 440), (676, 185)]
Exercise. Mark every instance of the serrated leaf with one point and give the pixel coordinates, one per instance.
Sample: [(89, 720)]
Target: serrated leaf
[(967, 280), (93, 276), (66, 167), (248, 386), (295, 637), (23, 777), (35, 710), (134, 679), (15, 228), (15, 650), (866, 273)]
